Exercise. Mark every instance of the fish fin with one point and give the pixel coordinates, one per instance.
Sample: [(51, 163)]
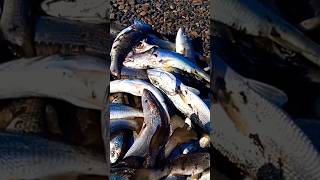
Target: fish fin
[(269, 92)]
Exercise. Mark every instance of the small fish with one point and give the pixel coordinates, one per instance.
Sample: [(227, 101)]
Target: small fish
[(155, 57), (80, 80), (248, 118), (183, 99), (154, 133), (184, 45), (179, 136), (116, 146), (136, 87), (191, 164), (22, 151), (125, 41), (120, 111), (163, 44), (253, 18), (92, 11)]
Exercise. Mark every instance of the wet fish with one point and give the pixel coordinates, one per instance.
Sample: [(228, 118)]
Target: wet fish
[(179, 136), (253, 18), (135, 87), (155, 57), (20, 152), (184, 45), (154, 133), (92, 11), (191, 164), (80, 80), (116, 146), (125, 41), (120, 111), (163, 44), (183, 99), (261, 137)]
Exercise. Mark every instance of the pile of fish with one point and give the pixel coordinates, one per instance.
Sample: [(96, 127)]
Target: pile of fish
[(252, 126), (53, 82), (159, 107)]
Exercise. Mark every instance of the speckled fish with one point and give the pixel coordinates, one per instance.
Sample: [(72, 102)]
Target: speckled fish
[(93, 11), (120, 111), (154, 133), (260, 136), (191, 164), (185, 100), (184, 45), (117, 143), (155, 57), (20, 152), (80, 80), (253, 18), (125, 41), (135, 87)]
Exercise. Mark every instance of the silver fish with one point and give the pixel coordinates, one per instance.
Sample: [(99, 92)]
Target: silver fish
[(80, 80), (155, 57), (135, 87), (20, 152), (184, 45), (253, 18), (191, 164), (125, 41), (130, 73), (260, 134), (154, 133), (183, 99), (92, 11), (120, 111), (116, 146)]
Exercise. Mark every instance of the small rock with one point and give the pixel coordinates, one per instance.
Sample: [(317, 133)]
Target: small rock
[(143, 13), (112, 16), (121, 7)]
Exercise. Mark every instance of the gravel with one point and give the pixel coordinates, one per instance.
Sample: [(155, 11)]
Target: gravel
[(167, 16)]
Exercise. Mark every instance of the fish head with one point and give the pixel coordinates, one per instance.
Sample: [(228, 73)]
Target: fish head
[(181, 41), (163, 80), (116, 145), (148, 58)]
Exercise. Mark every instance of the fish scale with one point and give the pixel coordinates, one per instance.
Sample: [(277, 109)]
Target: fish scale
[(26, 156)]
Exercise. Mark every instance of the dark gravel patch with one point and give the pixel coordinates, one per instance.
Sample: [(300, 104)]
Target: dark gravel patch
[(167, 16)]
